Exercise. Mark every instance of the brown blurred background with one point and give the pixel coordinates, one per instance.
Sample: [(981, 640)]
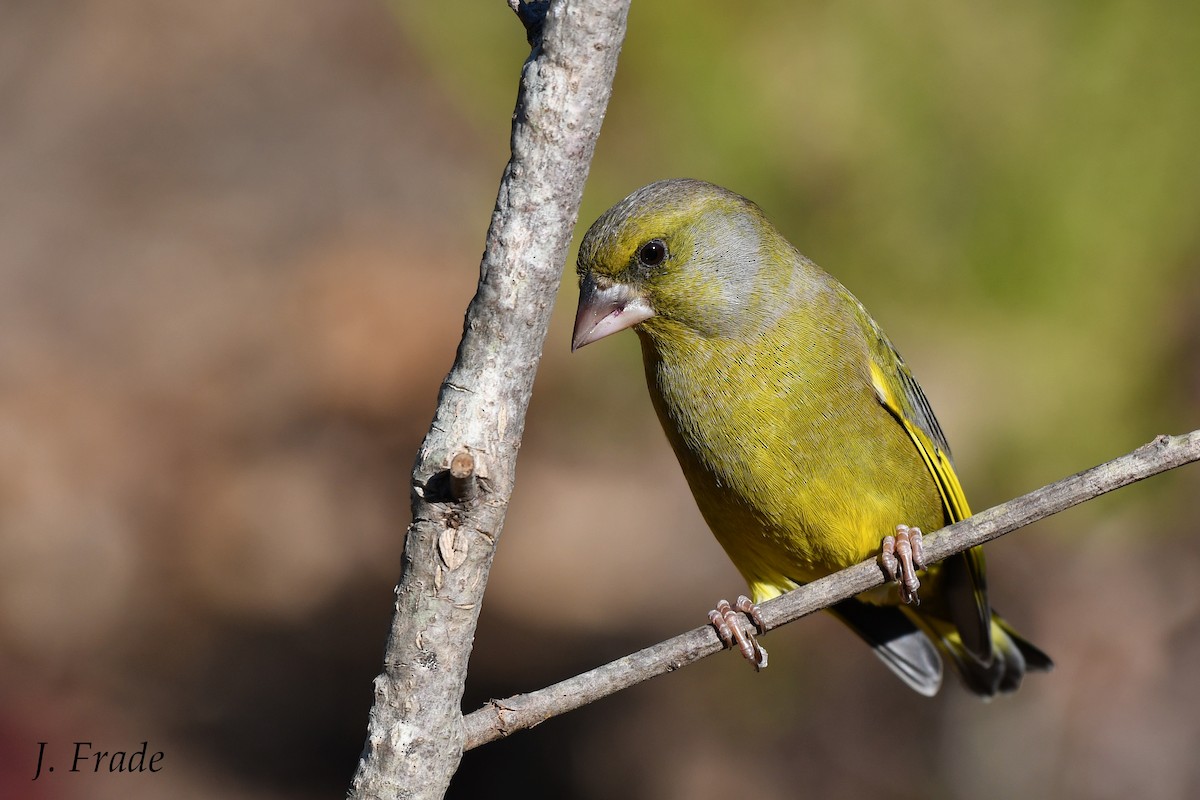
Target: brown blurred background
[(236, 243)]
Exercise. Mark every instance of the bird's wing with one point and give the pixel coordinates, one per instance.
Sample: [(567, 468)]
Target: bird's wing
[(899, 392), (963, 576)]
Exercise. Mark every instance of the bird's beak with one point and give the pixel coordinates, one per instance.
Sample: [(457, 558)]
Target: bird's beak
[(606, 311)]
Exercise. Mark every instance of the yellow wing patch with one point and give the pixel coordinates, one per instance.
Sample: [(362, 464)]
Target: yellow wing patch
[(936, 459), (912, 411)]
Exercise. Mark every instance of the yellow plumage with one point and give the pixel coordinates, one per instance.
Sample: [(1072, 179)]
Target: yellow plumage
[(803, 435)]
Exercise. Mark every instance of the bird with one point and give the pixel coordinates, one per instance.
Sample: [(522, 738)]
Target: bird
[(806, 441)]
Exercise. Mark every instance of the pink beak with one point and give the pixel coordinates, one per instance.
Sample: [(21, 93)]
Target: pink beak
[(605, 311)]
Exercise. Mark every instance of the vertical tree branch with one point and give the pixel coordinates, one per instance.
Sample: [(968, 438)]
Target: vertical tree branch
[(415, 733)]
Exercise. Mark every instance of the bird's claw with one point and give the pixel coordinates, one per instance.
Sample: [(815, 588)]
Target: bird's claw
[(730, 632), (900, 557)]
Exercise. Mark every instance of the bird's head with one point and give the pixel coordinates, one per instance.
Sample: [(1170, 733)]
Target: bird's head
[(677, 254)]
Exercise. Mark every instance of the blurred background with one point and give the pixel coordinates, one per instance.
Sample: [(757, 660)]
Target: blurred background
[(236, 244)]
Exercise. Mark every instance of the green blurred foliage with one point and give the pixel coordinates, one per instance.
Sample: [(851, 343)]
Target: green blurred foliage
[(1012, 189)]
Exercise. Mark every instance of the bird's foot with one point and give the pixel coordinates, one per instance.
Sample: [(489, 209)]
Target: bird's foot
[(900, 557), (724, 619)]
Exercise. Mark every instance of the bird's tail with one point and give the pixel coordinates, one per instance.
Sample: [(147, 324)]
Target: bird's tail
[(911, 643), (905, 648), (1012, 657)]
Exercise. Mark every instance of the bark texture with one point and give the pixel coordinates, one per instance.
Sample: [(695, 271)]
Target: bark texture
[(415, 734)]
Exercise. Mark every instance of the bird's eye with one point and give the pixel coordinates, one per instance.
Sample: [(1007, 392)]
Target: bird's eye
[(652, 253)]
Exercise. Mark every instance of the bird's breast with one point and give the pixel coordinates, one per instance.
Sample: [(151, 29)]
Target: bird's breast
[(795, 466)]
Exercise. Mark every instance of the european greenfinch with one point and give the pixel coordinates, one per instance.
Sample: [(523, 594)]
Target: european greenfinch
[(804, 437)]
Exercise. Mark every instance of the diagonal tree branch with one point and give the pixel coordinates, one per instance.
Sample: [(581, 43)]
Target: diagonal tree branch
[(464, 472), (499, 718)]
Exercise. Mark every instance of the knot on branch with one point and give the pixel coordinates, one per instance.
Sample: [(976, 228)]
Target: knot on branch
[(464, 486)]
